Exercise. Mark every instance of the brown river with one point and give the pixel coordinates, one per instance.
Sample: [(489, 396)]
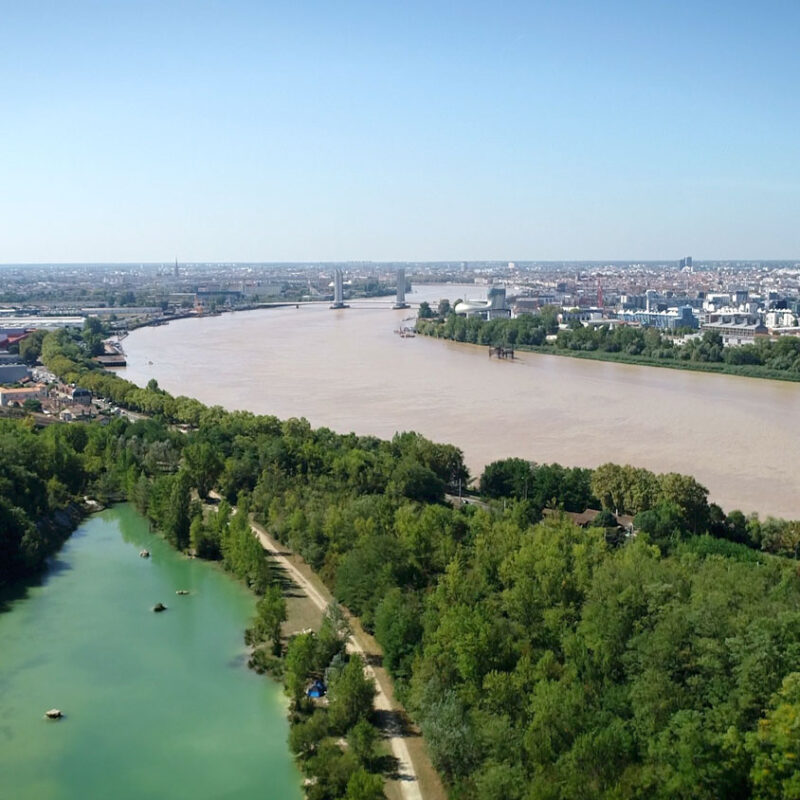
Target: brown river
[(350, 371)]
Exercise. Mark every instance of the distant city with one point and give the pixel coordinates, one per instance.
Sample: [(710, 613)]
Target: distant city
[(740, 299)]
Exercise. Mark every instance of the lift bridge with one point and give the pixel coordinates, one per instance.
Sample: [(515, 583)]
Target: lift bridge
[(338, 291)]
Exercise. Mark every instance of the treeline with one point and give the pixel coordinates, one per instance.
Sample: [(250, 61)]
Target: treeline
[(44, 476), (46, 473), (541, 660), (667, 507), (767, 357)]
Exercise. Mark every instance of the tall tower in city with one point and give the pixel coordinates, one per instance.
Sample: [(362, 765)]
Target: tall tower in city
[(400, 302), (338, 290)]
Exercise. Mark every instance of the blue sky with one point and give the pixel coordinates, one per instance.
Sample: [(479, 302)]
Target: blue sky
[(302, 131)]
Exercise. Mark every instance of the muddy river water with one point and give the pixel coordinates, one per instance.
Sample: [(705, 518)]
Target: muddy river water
[(350, 371)]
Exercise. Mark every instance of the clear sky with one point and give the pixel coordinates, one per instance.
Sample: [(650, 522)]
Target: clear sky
[(333, 130)]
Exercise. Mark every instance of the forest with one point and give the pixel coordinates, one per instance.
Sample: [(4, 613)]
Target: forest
[(768, 358), (539, 658)]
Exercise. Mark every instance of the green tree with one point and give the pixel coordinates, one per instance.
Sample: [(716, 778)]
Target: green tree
[(30, 348), (367, 572), (665, 524), (364, 786), (609, 487), (331, 770), (361, 740), (690, 496), (204, 466), (451, 741), (775, 745), (398, 628), (270, 614), (305, 736), (350, 695), (425, 310), (177, 521), (299, 662), (331, 640), (417, 482), (511, 477)]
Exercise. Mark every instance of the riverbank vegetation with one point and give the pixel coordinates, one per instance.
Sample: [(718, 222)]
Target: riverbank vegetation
[(767, 358), (44, 476), (539, 658)]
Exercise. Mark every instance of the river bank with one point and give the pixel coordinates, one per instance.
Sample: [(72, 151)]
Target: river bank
[(307, 598), (358, 375), (741, 371)]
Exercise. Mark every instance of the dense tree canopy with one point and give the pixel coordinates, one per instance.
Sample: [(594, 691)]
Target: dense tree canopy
[(541, 659)]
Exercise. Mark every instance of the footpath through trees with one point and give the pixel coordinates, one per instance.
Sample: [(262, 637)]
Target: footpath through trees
[(389, 711)]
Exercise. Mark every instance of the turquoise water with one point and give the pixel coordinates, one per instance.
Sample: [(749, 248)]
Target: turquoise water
[(156, 705)]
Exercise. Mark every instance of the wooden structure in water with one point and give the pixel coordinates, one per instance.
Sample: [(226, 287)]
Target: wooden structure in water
[(501, 352)]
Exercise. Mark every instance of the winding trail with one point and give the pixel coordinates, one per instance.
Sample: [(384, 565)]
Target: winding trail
[(407, 777)]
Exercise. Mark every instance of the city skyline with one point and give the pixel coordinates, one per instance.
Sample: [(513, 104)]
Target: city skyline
[(261, 133)]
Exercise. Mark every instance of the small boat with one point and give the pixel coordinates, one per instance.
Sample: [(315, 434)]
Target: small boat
[(144, 554), (53, 713), (158, 607), (182, 591)]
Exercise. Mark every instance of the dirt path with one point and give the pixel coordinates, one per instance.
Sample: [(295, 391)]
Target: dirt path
[(407, 778)]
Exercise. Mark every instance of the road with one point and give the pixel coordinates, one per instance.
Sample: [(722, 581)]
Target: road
[(407, 778)]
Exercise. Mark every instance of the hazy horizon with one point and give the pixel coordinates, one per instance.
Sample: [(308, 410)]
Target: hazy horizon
[(451, 262)]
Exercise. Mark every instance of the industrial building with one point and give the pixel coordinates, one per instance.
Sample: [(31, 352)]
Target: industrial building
[(494, 307), (736, 330), (16, 325), (13, 373)]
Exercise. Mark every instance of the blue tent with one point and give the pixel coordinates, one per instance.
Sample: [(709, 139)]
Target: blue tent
[(317, 689)]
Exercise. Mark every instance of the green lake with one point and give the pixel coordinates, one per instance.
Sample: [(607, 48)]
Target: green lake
[(155, 705)]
